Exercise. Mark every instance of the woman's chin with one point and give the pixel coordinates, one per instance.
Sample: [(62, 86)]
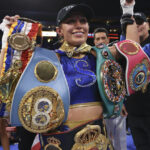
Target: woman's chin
[(78, 43)]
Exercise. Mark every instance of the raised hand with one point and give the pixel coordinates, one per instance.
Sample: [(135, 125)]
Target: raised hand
[(5, 26), (127, 6), (9, 20), (127, 2)]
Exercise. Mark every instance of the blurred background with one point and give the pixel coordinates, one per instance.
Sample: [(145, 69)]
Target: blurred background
[(107, 14)]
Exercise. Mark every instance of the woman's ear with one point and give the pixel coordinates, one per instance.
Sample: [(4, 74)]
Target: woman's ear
[(59, 32)]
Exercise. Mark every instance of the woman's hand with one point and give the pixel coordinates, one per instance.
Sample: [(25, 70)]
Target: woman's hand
[(9, 20)]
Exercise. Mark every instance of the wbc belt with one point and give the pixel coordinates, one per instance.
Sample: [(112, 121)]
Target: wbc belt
[(110, 82), (41, 99), (137, 74)]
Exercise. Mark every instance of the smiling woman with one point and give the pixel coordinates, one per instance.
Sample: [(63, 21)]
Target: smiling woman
[(55, 93), (74, 30), (79, 69), (44, 105)]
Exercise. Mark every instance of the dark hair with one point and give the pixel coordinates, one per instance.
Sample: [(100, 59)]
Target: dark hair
[(97, 30)]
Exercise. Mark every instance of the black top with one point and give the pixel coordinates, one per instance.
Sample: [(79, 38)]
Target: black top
[(139, 103), (146, 41)]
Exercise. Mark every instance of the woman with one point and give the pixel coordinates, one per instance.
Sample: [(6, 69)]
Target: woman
[(69, 113), (79, 66)]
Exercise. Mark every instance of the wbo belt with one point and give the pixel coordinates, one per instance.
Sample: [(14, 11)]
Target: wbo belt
[(137, 74), (110, 82), (41, 99)]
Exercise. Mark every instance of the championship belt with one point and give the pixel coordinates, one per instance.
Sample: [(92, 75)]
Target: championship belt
[(87, 136), (110, 82), (137, 74), (41, 99), (22, 38)]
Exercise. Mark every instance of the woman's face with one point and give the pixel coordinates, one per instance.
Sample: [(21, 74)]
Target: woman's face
[(74, 29)]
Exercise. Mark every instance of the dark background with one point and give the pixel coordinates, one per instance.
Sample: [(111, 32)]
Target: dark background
[(107, 12), (46, 10)]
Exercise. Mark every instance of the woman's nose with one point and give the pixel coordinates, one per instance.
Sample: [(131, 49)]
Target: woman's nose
[(78, 23)]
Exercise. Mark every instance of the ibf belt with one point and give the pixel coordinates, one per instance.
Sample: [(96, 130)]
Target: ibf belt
[(110, 82), (41, 99), (137, 73)]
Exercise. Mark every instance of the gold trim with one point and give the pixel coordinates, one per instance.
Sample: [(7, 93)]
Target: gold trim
[(41, 121), (55, 71), (74, 124), (28, 20), (90, 137), (19, 41), (53, 142), (8, 83), (134, 44), (85, 104), (54, 145)]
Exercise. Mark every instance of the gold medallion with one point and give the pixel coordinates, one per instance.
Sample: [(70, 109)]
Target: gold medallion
[(112, 78), (129, 47), (90, 138), (53, 144), (139, 77), (41, 109), (8, 83), (19, 41), (45, 71)]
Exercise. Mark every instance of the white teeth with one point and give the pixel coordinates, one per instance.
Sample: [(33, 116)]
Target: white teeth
[(78, 33)]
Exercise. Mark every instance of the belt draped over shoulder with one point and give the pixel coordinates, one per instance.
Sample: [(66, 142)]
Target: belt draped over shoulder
[(110, 82), (29, 81)]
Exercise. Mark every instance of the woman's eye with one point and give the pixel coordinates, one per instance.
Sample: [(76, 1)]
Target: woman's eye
[(71, 21), (83, 20)]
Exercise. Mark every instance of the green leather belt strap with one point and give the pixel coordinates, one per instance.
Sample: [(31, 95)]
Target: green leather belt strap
[(110, 82)]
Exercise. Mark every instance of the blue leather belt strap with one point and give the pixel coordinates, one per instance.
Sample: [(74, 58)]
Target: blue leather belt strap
[(28, 81)]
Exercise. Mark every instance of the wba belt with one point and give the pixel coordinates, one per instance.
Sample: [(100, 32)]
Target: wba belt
[(88, 136), (110, 82), (41, 99), (137, 74)]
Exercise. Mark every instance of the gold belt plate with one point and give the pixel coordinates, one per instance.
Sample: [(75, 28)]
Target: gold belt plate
[(19, 41), (45, 71), (90, 138), (41, 109)]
